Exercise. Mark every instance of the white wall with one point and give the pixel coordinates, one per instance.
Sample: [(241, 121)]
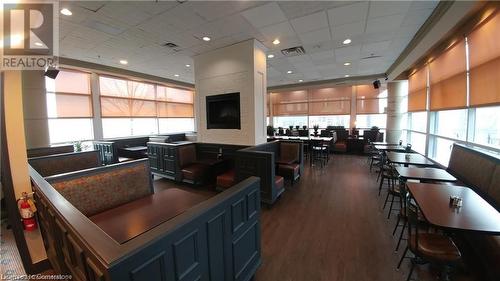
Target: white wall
[(237, 68), (35, 110)]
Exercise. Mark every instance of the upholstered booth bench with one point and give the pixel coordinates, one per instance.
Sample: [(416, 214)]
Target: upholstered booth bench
[(132, 147), (49, 150), (191, 162), (106, 224), (67, 162), (261, 161), (480, 171)]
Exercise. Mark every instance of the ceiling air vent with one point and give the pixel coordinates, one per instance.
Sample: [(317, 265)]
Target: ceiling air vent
[(294, 51), (170, 45)]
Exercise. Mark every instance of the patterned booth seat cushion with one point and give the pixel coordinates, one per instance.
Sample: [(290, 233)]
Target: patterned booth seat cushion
[(105, 188), (65, 163)]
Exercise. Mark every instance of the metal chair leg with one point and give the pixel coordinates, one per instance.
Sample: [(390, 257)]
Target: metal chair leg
[(401, 236), (390, 209), (411, 270), (397, 224), (402, 258)]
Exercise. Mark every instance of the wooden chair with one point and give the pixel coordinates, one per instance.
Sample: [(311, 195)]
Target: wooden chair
[(434, 248)]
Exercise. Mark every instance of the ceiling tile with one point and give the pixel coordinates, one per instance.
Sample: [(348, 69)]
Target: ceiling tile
[(350, 30), (317, 36), (385, 8), (279, 30), (347, 54), (375, 48), (384, 24), (309, 23), (264, 15), (348, 14)]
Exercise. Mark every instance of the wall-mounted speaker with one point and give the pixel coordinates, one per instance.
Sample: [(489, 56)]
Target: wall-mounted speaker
[(376, 84), (51, 73)]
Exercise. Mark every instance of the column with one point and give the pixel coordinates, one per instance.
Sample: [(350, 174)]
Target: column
[(396, 91)]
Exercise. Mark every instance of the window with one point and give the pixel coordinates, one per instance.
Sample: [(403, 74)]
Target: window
[(69, 107), (287, 121), (131, 108), (370, 120), (487, 126), (329, 120), (450, 123), (417, 141), (175, 125), (441, 150), (418, 121)]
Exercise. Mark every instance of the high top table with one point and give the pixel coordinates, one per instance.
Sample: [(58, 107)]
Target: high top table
[(409, 159), (475, 215), (424, 174)]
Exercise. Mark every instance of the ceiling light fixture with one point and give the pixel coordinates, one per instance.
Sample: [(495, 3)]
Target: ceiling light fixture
[(66, 12), (38, 44), (176, 75), (289, 72), (347, 63), (347, 75), (123, 61), (270, 56), (276, 41), (188, 65), (206, 38), (347, 41), (300, 80)]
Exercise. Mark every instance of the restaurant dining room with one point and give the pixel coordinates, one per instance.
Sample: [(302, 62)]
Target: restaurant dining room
[(250, 140)]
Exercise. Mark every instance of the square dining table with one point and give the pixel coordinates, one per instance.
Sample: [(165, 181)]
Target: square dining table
[(475, 214), (407, 159), (425, 174)]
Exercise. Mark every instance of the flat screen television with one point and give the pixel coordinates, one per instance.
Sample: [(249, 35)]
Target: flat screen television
[(223, 111)]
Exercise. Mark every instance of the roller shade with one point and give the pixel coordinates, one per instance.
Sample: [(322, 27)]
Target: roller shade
[(367, 92), (126, 89), (448, 79), (69, 106), (174, 110), (370, 106), (484, 59), (340, 107), (71, 82), (417, 90), (290, 103), (174, 95), (329, 94), (120, 107)]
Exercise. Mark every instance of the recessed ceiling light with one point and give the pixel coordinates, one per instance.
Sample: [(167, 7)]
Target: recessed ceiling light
[(206, 38), (347, 41), (188, 65), (300, 80), (289, 72), (276, 41), (347, 63), (38, 44), (347, 75), (270, 56), (66, 12), (176, 75), (123, 61)]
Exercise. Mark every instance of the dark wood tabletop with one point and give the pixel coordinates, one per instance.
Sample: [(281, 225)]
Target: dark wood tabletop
[(409, 159), (425, 174), (475, 215), (397, 148), (134, 218)]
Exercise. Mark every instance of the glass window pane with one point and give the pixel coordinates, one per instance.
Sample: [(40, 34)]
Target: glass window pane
[(487, 126), (417, 141), (441, 151), (113, 87), (166, 109), (137, 90), (451, 123), (175, 125), (116, 127), (67, 130), (287, 121), (174, 95), (64, 105), (329, 120), (370, 120), (418, 121), (144, 126)]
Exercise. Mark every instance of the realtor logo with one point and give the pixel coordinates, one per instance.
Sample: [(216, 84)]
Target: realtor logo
[(29, 36)]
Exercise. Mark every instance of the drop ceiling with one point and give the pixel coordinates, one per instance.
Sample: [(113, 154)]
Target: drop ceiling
[(109, 31)]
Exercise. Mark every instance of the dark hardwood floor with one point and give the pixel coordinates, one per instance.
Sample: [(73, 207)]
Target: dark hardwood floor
[(330, 226)]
